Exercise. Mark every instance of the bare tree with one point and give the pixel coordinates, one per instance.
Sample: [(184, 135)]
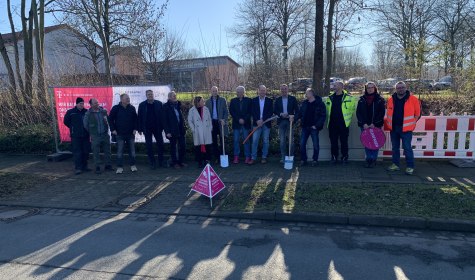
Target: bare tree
[(257, 28), (452, 18), (318, 55), (114, 21), (409, 22), (289, 17), (386, 59), (8, 65)]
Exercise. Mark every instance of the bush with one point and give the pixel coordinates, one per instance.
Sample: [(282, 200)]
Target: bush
[(34, 138)]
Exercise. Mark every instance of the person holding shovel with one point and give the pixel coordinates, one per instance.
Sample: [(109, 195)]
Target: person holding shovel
[(218, 108), (312, 115), (285, 106), (261, 110), (199, 120)]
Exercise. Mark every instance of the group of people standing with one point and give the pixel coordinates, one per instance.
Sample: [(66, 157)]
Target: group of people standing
[(208, 122)]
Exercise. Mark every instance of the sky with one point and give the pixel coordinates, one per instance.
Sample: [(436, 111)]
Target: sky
[(203, 24)]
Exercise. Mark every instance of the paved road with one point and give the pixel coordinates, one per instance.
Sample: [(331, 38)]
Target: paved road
[(73, 244)]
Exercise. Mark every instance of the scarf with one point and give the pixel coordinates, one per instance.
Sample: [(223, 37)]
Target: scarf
[(369, 99)]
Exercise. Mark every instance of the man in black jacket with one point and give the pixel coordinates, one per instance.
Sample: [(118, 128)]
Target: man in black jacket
[(174, 126), (312, 114), (123, 124), (79, 136), (150, 124), (240, 110), (261, 109), (285, 106)]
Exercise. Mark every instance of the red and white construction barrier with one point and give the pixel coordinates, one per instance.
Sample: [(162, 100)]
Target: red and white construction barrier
[(440, 137)]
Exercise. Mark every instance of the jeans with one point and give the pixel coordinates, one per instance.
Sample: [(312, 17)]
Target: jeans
[(180, 142), (149, 145), (284, 127), (406, 137), (339, 133), (306, 132), (80, 148), (371, 155), (264, 131), (98, 142), (121, 141), (237, 133)]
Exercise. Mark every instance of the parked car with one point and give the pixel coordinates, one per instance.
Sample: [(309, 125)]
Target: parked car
[(386, 84), (332, 81), (422, 84), (301, 84), (356, 83), (443, 83)]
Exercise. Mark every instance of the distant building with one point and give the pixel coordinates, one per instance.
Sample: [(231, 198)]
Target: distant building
[(73, 59), (195, 74)]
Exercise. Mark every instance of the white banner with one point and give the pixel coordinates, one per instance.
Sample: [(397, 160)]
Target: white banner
[(137, 95)]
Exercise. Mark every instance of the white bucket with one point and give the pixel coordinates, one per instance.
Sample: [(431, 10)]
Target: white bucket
[(289, 162), (224, 160)]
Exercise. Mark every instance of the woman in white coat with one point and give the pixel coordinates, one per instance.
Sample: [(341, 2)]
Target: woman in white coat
[(199, 120)]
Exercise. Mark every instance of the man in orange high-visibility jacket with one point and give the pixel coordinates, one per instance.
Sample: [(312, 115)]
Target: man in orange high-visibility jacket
[(403, 110)]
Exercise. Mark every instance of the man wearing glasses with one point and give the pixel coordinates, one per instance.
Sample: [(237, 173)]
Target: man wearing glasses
[(403, 110)]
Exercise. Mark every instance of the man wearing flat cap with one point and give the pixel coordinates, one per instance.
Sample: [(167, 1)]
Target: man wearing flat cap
[(80, 144)]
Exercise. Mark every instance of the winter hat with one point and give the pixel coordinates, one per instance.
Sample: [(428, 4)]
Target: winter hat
[(79, 100)]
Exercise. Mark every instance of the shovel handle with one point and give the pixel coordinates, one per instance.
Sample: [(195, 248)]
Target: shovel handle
[(222, 136)]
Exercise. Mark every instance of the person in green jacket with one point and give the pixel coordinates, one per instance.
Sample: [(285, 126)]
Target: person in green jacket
[(340, 106)]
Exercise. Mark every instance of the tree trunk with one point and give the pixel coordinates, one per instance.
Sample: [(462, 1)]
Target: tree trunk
[(27, 33), (15, 47), (318, 53), (8, 65), (329, 49), (39, 43)]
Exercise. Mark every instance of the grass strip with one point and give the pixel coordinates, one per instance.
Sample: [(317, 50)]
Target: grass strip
[(416, 200)]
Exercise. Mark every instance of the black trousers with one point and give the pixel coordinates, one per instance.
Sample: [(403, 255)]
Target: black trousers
[(216, 138), (177, 142), (339, 132), (201, 157), (80, 148), (149, 144)]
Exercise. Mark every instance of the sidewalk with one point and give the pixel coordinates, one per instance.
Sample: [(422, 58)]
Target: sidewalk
[(165, 190)]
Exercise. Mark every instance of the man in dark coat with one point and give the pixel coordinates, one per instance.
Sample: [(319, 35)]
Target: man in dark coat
[(123, 124), (240, 110), (80, 143), (285, 106), (174, 126), (312, 114), (150, 124)]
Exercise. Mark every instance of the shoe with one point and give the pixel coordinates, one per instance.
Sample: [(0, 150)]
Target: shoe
[(236, 160), (344, 160), (373, 163), (108, 168), (77, 172), (248, 159), (183, 164), (98, 170), (133, 168), (368, 164), (86, 169), (119, 170), (264, 161), (409, 171), (314, 163), (250, 162), (153, 166), (281, 161), (303, 163), (177, 166), (393, 167), (334, 160)]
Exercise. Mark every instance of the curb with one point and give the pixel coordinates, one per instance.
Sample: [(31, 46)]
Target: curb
[(308, 217)]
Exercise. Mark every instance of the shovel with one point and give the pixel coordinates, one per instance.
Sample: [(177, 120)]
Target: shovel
[(289, 160), (223, 158)]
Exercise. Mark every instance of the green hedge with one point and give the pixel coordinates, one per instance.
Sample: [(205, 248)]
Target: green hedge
[(35, 138)]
